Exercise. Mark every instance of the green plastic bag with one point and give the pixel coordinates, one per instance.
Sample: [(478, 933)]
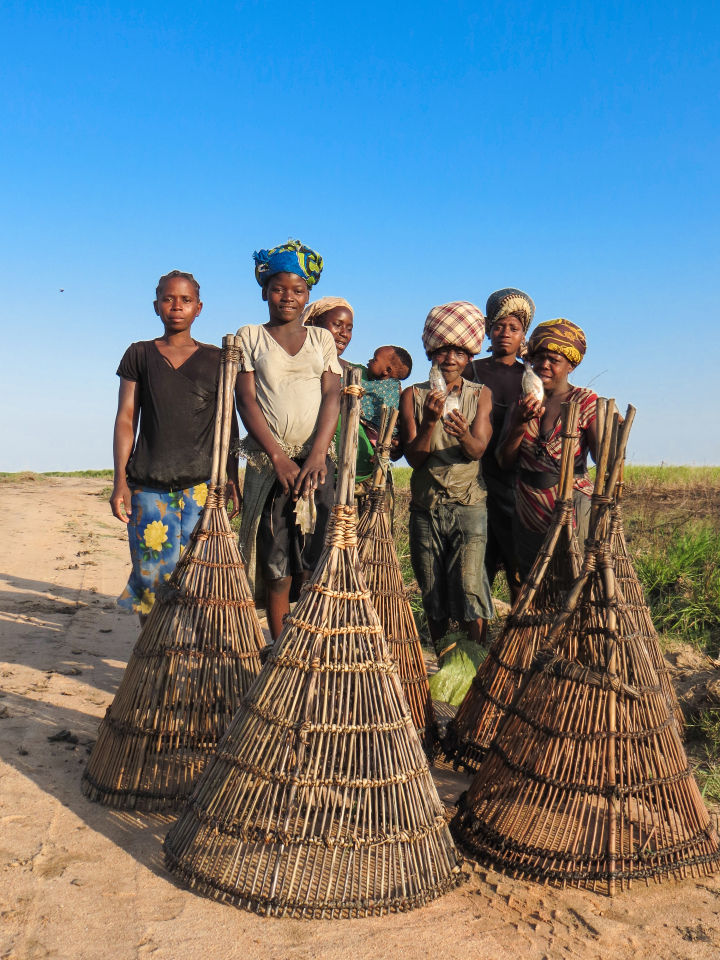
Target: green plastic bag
[(457, 668)]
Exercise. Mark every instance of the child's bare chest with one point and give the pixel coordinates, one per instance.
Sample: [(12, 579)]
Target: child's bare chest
[(292, 341)]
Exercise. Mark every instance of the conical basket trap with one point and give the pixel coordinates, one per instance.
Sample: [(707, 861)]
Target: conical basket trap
[(636, 608), (197, 654), (382, 573), (587, 781), (470, 733), (319, 802)]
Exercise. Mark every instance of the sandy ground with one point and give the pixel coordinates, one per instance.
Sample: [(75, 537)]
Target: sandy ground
[(80, 881)]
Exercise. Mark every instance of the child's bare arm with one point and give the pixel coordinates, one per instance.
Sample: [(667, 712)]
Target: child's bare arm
[(314, 469), (256, 425), (126, 423), (474, 437), (416, 440)]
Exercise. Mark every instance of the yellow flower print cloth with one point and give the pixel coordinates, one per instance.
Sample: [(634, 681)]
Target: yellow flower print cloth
[(159, 528)]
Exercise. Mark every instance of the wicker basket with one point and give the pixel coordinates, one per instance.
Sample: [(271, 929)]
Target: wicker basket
[(319, 802), (587, 781), (196, 656)]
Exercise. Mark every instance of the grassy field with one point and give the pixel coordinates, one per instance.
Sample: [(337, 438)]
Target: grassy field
[(30, 475)]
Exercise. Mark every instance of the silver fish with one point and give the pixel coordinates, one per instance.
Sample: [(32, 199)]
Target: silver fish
[(532, 384)]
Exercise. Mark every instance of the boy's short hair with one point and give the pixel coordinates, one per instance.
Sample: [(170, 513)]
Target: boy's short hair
[(171, 276), (404, 358)]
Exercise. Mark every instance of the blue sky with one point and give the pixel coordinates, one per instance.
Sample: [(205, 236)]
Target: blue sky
[(430, 152)]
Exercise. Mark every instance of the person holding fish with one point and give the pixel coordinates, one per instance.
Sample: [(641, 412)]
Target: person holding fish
[(445, 427), (531, 440), (509, 313)]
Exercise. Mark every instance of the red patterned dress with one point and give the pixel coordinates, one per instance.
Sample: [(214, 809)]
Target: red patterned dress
[(539, 462)]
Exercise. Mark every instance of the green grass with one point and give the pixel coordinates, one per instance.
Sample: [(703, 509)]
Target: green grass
[(680, 571), (672, 475), (706, 728), (636, 476), (31, 475)]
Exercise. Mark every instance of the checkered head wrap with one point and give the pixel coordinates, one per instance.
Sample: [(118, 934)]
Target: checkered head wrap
[(456, 324)]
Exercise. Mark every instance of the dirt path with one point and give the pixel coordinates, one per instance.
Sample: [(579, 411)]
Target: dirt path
[(84, 883)]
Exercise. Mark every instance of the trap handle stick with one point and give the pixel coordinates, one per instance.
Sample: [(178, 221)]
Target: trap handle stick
[(570, 416), (350, 413), (218, 418), (384, 411), (571, 601), (382, 450), (602, 465), (623, 436), (231, 366), (600, 411), (611, 659)]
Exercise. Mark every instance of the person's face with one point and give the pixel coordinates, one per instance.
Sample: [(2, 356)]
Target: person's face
[(286, 295), (178, 304), (506, 336), (386, 364), (552, 368), (452, 361), (339, 321)]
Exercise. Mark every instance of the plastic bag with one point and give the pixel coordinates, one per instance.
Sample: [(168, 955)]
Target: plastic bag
[(457, 668)]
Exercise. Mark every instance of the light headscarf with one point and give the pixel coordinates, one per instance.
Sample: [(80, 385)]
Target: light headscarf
[(313, 311)]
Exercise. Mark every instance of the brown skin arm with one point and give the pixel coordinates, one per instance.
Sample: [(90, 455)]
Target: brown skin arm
[(521, 412), (314, 470), (126, 421), (396, 449), (474, 437), (416, 440)]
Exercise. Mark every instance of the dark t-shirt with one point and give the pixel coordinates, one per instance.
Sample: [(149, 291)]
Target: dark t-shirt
[(173, 448), (506, 385)]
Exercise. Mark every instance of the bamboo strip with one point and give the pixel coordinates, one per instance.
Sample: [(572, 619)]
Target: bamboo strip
[(381, 568), (499, 676)]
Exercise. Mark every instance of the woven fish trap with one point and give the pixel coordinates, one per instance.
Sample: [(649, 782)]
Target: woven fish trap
[(471, 731), (319, 802), (196, 656), (587, 782), (383, 575), (636, 609)]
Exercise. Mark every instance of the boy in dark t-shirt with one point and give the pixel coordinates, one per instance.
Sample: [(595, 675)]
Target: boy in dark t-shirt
[(168, 393)]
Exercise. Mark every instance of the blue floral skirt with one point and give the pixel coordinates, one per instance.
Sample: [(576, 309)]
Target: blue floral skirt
[(160, 526)]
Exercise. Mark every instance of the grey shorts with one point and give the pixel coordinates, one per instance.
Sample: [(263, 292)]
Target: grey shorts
[(283, 551), (447, 552)]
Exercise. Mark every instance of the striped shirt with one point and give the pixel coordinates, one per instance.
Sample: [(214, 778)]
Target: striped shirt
[(540, 453)]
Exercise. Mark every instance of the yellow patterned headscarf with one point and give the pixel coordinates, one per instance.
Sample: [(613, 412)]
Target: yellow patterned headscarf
[(559, 336)]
